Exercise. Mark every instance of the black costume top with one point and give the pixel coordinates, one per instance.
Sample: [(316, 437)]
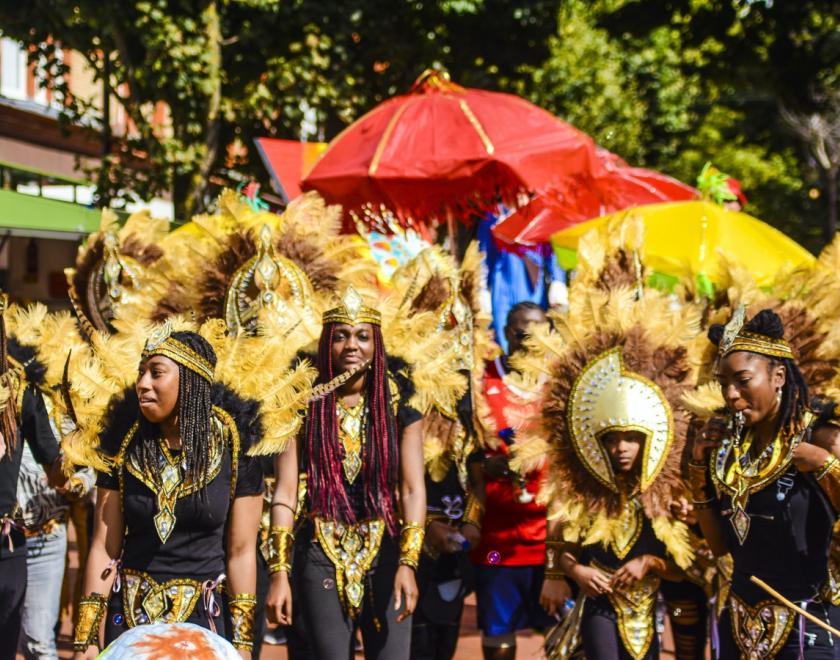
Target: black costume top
[(33, 428), (788, 541), (196, 545)]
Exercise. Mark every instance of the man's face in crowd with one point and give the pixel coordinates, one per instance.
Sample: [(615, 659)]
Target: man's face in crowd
[(516, 331)]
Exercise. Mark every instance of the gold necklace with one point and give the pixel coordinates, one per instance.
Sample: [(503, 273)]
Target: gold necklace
[(167, 494), (350, 434)]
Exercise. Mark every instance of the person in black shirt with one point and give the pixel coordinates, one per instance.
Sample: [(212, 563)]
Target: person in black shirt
[(23, 418), (361, 451), (766, 488), (179, 507)]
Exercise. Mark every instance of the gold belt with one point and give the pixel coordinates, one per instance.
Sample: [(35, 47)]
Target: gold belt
[(351, 549), (147, 601), (759, 630), (47, 527), (634, 609)]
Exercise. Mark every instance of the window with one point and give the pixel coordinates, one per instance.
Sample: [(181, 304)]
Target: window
[(12, 69)]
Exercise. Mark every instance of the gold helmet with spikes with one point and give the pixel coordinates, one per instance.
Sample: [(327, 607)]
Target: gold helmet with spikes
[(244, 265)]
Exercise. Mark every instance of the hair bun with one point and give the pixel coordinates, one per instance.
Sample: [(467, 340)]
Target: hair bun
[(715, 333), (766, 323)]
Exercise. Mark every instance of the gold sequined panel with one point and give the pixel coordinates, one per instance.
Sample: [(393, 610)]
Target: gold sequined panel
[(351, 549), (215, 456), (148, 601), (634, 609), (629, 528), (831, 589), (761, 630)]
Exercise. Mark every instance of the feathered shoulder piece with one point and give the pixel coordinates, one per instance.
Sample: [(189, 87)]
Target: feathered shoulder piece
[(251, 382), (110, 268), (614, 362)]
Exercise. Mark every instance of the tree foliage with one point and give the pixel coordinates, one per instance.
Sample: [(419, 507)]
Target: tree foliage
[(672, 84), (228, 71)]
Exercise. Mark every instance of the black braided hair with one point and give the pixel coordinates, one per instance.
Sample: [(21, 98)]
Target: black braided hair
[(795, 397), (194, 410)]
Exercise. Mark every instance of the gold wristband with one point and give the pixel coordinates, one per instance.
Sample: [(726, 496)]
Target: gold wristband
[(825, 468), (242, 607), (553, 553), (91, 610), (828, 479), (411, 544), (281, 543), (473, 512)]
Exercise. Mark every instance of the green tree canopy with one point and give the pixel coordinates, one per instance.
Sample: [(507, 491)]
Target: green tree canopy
[(231, 71)]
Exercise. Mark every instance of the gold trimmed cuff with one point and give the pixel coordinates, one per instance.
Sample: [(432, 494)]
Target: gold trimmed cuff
[(828, 478), (281, 543), (411, 544), (91, 610), (553, 554), (473, 512), (242, 608)]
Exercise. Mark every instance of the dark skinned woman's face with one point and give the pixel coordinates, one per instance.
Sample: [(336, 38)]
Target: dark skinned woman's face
[(157, 388), (749, 384), (352, 345), (623, 448)]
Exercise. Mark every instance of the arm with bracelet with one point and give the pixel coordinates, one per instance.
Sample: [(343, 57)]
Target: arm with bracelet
[(555, 590), (99, 572), (703, 496), (281, 536), (413, 501)]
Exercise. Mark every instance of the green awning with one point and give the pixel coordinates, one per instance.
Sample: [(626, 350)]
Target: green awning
[(28, 215)]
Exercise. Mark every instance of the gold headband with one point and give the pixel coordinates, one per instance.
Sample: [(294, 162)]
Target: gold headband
[(737, 339), (352, 311), (161, 343), (756, 343)]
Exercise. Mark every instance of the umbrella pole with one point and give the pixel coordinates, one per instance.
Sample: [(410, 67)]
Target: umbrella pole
[(453, 240)]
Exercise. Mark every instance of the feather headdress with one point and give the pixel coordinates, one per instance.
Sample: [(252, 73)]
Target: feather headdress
[(617, 360)]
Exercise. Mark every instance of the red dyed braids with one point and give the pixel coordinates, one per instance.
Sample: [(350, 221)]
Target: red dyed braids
[(323, 453)]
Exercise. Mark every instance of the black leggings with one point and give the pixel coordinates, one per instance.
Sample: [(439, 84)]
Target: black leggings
[(688, 610), (12, 593), (329, 630), (600, 637)]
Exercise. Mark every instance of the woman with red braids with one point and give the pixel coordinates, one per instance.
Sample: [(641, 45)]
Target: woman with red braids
[(359, 533)]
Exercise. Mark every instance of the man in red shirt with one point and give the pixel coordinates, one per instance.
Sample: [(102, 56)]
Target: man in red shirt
[(510, 557)]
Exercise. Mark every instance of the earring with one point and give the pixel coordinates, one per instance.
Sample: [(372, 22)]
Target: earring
[(779, 395)]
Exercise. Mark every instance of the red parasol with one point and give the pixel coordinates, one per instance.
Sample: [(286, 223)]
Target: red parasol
[(617, 186), (444, 149)]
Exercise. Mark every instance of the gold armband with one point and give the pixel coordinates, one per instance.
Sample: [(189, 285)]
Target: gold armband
[(91, 610), (473, 512), (553, 554), (411, 543), (281, 542), (242, 607), (828, 478)]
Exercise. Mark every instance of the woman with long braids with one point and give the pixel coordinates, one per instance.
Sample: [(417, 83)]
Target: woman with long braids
[(766, 488), (360, 528), (178, 496)]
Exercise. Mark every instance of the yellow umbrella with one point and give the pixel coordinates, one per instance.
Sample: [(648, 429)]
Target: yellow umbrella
[(687, 238)]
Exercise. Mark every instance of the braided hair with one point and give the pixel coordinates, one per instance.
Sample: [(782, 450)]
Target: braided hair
[(194, 410), (322, 457), (795, 397)]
